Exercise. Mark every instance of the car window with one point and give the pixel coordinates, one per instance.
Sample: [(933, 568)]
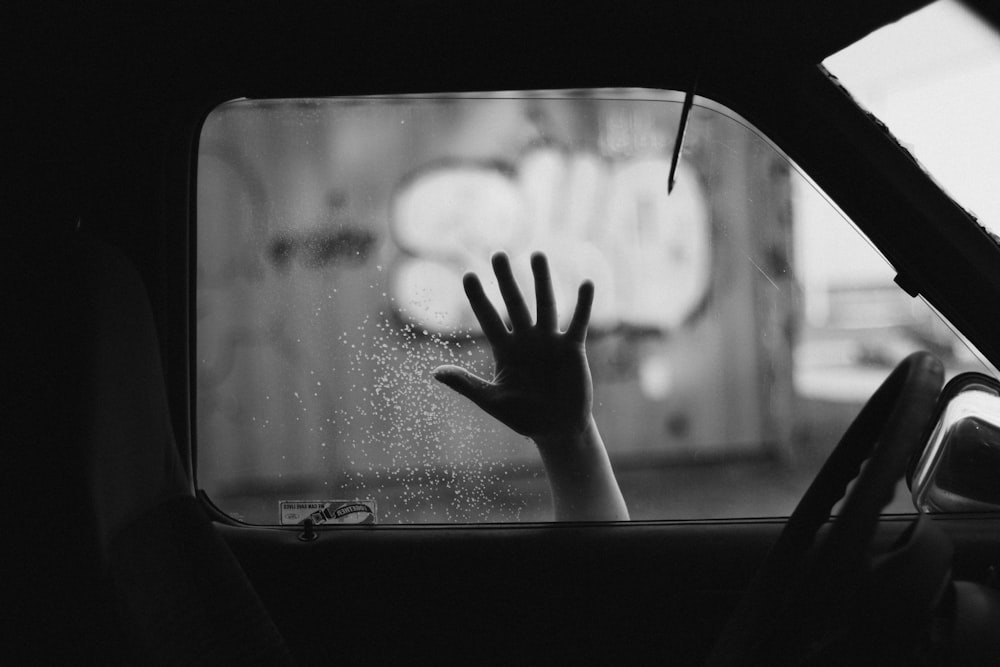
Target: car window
[(739, 324), (934, 79)]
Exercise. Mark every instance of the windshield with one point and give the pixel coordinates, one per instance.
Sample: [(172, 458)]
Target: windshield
[(934, 79)]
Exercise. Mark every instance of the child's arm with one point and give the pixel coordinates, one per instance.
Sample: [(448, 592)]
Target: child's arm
[(542, 389)]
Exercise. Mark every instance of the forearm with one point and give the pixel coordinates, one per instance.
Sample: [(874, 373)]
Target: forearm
[(584, 487)]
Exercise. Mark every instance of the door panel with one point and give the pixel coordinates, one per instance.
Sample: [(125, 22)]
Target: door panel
[(598, 593)]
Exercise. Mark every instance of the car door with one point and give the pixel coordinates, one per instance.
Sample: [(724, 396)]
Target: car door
[(661, 585)]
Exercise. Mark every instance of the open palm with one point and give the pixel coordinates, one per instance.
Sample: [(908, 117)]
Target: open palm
[(541, 385)]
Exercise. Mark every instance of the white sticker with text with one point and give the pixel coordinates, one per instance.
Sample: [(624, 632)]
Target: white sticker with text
[(295, 512)]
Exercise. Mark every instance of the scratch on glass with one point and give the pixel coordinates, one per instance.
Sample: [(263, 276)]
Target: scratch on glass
[(763, 273)]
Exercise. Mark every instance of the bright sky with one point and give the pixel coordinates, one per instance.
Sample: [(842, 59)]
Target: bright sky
[(934, 79)]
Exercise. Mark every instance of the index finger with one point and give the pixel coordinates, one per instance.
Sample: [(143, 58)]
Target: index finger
[(488, 317)]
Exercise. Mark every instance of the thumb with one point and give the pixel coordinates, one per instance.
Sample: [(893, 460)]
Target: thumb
[(467, 384)]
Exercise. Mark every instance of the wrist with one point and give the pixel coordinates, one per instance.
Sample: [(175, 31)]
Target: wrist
[(570, 438), (583, 484)]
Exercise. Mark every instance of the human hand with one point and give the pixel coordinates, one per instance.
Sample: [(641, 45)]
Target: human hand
[(541, 386)]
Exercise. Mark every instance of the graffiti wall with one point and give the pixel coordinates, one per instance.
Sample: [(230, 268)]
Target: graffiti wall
[(332, 237)]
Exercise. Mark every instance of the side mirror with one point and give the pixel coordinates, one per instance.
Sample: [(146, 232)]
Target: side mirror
[(959, 469)]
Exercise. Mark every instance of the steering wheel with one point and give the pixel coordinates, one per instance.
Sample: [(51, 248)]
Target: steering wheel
[(799, 596)]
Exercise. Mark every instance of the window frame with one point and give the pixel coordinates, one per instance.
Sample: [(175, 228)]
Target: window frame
[(906, 194), (713, 104)]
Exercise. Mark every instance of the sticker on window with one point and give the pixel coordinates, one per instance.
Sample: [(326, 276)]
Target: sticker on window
[(295, 512)]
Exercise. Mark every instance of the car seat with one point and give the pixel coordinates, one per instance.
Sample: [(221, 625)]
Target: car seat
[(115, 560)]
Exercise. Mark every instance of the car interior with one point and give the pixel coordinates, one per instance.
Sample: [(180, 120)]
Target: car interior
[(238, 237)]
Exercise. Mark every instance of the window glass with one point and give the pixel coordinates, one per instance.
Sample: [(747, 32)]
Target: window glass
[(934, 79), (739, 324)]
